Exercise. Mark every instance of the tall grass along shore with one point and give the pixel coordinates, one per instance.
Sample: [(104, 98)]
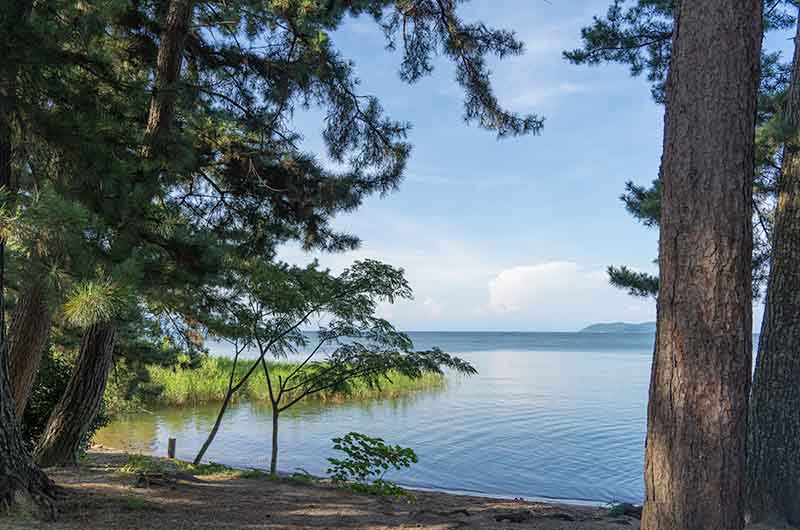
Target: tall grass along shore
[(208, 383)]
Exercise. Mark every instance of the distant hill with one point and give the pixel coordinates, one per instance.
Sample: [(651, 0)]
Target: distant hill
[(621, 327)]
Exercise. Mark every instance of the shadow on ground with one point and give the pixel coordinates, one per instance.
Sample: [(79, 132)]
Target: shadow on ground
[(97, 496)]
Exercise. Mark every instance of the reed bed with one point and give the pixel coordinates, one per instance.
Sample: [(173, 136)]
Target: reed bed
[(208, 383)]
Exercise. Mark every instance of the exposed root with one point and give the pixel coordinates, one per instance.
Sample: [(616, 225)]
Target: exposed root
[(35, 499)]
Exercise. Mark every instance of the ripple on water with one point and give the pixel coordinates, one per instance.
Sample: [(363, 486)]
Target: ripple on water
[(559, 424)]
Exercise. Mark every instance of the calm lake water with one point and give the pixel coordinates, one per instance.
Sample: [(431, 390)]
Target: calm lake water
[(551, 415)]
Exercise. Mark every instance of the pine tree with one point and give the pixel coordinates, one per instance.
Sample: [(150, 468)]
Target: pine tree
[(21, 478), (69, 422), (638, 34), (695, 448), (772, 434), (174, 179), (773, 430)]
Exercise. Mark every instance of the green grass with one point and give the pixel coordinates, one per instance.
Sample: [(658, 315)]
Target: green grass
[(209, 382), (143, 464), (134, 503), (301, 476)]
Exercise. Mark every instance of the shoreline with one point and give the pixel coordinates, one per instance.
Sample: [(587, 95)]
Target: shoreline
[(585, 503), (97, 495), (588, 503)]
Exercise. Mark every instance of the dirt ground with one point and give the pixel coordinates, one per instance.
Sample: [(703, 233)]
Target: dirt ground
[(97, 496)]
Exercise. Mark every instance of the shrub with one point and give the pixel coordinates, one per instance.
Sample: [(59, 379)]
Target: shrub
[(366, 463)]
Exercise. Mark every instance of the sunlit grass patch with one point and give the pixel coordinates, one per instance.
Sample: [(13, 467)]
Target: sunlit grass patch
[(208, 383), (138, 464)]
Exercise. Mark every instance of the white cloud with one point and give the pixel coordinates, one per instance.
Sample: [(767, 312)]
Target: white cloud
[(433, 308), (544, 94), (553, 293), (519, 288), (525, 287), (459, 285)]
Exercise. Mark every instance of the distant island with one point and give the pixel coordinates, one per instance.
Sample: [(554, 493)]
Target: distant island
[(620, 327)]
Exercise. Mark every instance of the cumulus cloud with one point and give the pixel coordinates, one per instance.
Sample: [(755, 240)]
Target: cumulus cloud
[(519, 288), (461, 286), (553, 293)]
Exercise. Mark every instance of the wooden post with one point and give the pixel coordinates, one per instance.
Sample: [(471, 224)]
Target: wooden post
[(171, 448)]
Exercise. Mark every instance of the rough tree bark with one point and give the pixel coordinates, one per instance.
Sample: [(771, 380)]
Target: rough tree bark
[(168, 71), (70, 420), (22, 484), (773, 434), (695, 453), (27, 336)]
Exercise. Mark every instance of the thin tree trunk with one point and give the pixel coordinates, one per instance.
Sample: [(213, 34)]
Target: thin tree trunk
[(68, 424), (695, 452), (27, 336), (773, 451), (228, 395), (214, 429), (273, 461)]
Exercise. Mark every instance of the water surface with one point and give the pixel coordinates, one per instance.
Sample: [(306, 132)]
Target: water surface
[(559, 415)]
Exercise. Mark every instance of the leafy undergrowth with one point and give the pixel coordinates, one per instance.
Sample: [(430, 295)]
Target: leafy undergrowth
[(367, 460)]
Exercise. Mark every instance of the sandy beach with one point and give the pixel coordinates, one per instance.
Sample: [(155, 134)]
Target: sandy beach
[(97, 496)]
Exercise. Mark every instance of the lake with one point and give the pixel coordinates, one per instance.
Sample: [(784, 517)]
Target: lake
[(550, 415)]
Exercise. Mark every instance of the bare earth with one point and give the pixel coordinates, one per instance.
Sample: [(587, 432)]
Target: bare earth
[(96, 496)]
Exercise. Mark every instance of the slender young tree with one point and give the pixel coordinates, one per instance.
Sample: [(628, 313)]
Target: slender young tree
[(773, 440), (695, 449), (353, 346)]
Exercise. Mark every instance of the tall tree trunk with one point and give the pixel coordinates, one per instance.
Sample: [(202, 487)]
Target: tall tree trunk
[(70, 420), (22, 483), (773, 437), (214, 429), (27, 336), (695, 453)]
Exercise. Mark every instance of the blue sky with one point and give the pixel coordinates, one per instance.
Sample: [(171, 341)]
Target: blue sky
[(510, 235)]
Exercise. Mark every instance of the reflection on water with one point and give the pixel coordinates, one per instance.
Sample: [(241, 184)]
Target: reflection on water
[(550, 415), (147, 432)]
